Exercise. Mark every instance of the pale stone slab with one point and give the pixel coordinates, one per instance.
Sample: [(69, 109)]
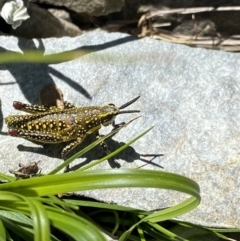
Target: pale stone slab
[(190, 95)]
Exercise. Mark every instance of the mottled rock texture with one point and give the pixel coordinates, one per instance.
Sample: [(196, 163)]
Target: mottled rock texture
[(190, 95)]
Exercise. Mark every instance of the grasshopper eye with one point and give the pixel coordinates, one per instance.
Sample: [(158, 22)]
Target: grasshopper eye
[(111, 104)]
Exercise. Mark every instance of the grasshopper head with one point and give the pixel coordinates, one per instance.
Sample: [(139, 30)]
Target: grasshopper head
[(110, 111)]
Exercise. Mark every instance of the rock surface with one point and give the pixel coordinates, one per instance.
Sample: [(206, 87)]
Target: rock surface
[(42, 24), (90, 7), (190, 95)]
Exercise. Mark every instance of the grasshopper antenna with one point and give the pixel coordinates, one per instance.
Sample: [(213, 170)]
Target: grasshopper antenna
[(127, 104)]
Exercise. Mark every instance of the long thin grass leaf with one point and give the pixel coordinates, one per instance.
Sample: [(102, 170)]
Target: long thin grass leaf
[(114, 152), (75, 226), (22, 231), (37, 211), (40, 219), (39, 57), (2, 231), (100, 179)]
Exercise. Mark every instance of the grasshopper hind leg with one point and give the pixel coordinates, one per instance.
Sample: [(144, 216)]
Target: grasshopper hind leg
[(70, 147)]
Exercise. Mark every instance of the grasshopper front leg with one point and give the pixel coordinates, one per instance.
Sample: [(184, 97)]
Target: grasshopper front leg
[(35, 109)]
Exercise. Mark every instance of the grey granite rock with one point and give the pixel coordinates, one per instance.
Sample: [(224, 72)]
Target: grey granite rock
[(90, 7), (190, 95), (42, 24)]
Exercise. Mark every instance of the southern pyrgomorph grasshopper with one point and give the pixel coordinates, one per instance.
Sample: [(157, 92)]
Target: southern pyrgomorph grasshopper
[(51, 124)]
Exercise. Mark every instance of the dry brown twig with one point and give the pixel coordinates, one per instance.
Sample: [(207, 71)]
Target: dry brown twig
[(199, 39), (163, 12)]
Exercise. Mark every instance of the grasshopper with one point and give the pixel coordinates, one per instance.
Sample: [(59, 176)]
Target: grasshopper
[(51, 124), (26, 171)]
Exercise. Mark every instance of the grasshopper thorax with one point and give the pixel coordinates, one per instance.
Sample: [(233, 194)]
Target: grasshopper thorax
[(109, 112)]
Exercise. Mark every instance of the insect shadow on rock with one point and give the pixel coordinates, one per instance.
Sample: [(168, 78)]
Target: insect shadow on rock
[(128, 155), (51, 124)]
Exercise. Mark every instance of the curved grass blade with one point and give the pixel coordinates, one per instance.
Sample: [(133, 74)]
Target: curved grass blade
[(76, 227), (36, 210), (100, 179), (166, 214), (73, 225), (21, 230), (40, 219)]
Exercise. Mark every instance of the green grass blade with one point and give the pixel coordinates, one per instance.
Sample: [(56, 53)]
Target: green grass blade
[(88, 148), (18, 228), (40, 219), (76, 227), (167, 233), (154, 232), (177, 210), (112, 154), (7, 177), (168, 213), (39, 57), (100, 179), (36, 209), (105, 206), (2, 231), (216, 232)]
